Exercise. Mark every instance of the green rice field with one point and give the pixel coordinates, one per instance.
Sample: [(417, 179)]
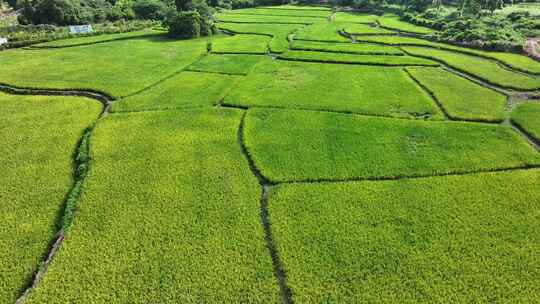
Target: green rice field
[(302, 154)]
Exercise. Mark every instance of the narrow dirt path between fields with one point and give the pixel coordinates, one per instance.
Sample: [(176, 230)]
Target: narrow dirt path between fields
[(266, 185), (532, 45)]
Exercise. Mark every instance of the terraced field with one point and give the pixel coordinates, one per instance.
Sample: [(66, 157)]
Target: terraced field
[(302, 155)]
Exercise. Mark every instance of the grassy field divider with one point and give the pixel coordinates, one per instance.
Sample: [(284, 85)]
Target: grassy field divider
[(443, 109), (408, 177), (483, 79), (81, 166), (266, 186), (331, 61), (430, 93), (530, 138)]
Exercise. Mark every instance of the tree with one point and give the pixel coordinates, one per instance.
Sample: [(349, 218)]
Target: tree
[(185, 25)]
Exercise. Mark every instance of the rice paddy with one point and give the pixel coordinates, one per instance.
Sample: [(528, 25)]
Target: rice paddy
[(304, 154)]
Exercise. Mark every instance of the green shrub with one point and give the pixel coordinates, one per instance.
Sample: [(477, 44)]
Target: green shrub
[(149, 9), (185, 25)]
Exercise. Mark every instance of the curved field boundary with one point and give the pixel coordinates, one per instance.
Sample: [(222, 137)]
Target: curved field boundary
[(279, 271), (473, 75), (533, 140), (314, 49), (80, 171), (280, 57), (450, 48), (264, 22), (443, 109), (272, 15)]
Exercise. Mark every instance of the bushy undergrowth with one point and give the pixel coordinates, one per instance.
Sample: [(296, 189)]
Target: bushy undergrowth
[(491, 32), (289, 145), (24, 35)]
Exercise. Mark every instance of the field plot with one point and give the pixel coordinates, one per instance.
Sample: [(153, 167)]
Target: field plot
[(96, 39), (484, 69), (461, 98), (279, 32), (237, 64), (364, 29), (191, 234), (353, 48), (298, 7), (527, 117), (185, 90), (119, 68), (461, 239), (227, 16), (321, 31), (392, 22), (355, 17), (515, 61), (39, 137), (283, 12), (333, 57), (306, 146), (241, 44), (362, 89)]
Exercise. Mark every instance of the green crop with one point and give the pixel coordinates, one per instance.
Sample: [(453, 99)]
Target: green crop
[(119, 68), (355, 17), (516, 61), (334, 57), (362, 89), (298, 7), (304, 146), (461, 98), (484, 69), (39, 137), (185, 90), (279, 32), (355, 48), (321, 31), (364, 29), (169, 214), (248, 44), (460, 239), (237, 64), (241, 18), (283, 12), (97, 39), (392, 22), (527, 117)]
